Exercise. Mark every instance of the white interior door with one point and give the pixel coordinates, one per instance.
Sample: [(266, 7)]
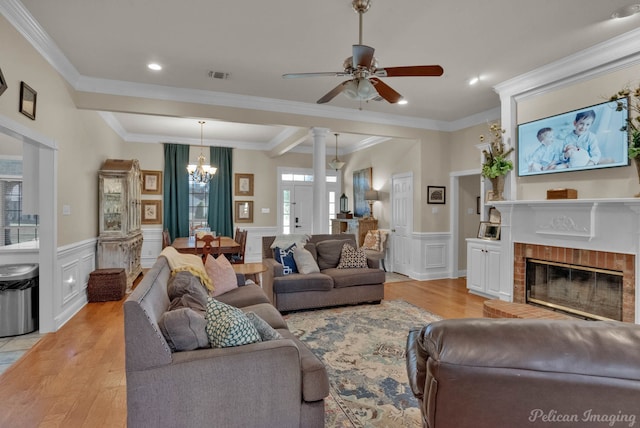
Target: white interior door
[(401, 222), (302, 208)]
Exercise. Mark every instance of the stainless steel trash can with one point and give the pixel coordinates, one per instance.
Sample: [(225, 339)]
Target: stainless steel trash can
[(18, 299)]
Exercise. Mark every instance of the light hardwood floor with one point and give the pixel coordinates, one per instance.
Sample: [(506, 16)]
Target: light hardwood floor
[(76, 376)]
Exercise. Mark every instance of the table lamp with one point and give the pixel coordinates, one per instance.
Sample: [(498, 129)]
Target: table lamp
[(371, 196)]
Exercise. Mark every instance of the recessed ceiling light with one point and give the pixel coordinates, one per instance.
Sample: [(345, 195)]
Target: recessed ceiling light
[(154, 66), (403, 102), (626, 11), (474, 80)]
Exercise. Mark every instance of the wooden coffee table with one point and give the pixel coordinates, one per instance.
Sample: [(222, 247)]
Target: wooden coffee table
[(250, 270)]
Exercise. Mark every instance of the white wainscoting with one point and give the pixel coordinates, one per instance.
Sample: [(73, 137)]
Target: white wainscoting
[(74, 264), (151, 245), (431, 258)]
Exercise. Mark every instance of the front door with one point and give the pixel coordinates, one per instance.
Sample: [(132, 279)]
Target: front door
[(401, 222), (297, 208)]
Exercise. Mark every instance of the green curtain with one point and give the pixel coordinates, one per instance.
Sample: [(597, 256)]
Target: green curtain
[(176, 190), (220, 216)]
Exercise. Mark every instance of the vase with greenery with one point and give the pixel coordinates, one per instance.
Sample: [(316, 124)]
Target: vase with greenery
[(632, 122), (496, 162)]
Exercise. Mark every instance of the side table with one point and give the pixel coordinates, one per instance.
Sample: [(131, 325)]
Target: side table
[(250, 270)]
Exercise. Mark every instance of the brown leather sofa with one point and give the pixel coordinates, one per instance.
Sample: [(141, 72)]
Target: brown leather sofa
[(509, 373)]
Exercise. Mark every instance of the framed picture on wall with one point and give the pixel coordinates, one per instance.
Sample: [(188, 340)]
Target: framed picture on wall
[(151, 182), (151, 212), (3, 83), (28, 99), (436, 194), (361, 183), (244, 185), (244, 212)]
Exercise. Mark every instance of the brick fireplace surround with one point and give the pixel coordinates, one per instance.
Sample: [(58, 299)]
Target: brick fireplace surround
[(599, 233), (624, 263)]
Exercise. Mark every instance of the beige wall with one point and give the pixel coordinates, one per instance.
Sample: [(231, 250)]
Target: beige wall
[(619, 182), (465, 155), (83, 139)]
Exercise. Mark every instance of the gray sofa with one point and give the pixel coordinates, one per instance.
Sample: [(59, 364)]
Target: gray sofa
[(330, 286), (264, 384)]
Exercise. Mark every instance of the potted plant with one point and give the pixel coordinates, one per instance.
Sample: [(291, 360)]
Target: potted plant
[(496, 163), (632, 123)]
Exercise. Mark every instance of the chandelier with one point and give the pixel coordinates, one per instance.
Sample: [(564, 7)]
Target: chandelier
[(201, 173), (336, 163)]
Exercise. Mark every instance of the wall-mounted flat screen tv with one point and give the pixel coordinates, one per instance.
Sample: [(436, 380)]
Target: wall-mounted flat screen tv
[(587, 138)]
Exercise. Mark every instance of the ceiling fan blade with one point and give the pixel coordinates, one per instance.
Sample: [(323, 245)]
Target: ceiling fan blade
[(362, 56), (385, 91), (332, 93), (318, 74), (411, 70)]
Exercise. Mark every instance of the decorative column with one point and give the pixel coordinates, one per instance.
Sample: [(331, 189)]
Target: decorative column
[(320, 208)]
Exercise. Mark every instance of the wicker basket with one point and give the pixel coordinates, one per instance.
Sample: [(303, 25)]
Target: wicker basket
[(106, 284)]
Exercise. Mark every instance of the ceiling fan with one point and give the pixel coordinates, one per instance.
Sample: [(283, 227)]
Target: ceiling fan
[(363, 69)]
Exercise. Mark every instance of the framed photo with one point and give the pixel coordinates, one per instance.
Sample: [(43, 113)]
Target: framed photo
[(436, 194), (151, 212), (494, 216), (244, 212), (28, 101), (244, 185), (490, 231), (3, 83), (151, 182), (361, 183)]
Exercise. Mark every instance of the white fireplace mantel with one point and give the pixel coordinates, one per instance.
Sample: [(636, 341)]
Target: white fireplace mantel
[(594, 224)]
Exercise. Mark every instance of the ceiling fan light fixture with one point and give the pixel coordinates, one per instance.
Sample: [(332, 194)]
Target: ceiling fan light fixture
[(403, 102), (360, 89)]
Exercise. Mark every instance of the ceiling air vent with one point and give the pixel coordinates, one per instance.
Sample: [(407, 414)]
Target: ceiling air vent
[(219, 75)]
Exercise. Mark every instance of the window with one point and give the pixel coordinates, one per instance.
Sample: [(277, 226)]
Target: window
[(16, 227), (198, 204)]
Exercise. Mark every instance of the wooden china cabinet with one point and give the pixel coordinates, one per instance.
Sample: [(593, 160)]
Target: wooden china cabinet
[(120, 239)]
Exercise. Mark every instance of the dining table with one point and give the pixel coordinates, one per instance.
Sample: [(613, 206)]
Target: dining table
[(187, 245)]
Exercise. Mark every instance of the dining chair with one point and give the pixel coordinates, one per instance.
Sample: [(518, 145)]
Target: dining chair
[(240, 238), (208, 247), (166, 239)]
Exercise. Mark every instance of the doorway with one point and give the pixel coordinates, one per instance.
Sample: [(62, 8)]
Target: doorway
[(295, 199), (464, 216), (401, 222)]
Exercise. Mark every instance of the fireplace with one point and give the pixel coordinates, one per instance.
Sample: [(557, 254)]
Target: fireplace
[(586, 283), (582, 291)]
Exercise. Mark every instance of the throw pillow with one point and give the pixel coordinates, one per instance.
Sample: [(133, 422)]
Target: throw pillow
[(264, 329), (285, 258), (184, 329), (305, 261), (352, 258), (228, 326), (372, 240), (329, 252), (187, 301), (283, 241), (183, 282), (222, 275)]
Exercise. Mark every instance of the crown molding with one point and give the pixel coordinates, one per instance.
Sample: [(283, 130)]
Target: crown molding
[(15, 12), (614, 54)]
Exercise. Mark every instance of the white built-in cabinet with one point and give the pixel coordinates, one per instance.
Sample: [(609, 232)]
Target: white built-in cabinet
[(483, 267), (120, 240)]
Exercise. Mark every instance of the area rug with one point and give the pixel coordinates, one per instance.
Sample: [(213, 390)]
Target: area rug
[(363, 349)]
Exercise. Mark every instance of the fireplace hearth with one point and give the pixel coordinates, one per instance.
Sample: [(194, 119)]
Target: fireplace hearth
[(582, 291)]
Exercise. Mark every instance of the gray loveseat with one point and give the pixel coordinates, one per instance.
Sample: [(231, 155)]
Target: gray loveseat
[(330, 286), (276, 383)]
